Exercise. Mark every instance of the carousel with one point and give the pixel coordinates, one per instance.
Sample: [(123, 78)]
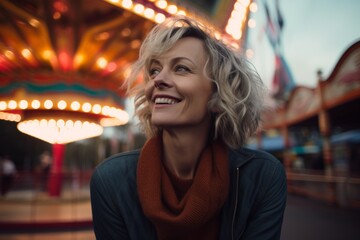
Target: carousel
[(63, 63), (62, 67)]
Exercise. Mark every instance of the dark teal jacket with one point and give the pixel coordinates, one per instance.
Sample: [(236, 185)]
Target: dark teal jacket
[(254, 208)]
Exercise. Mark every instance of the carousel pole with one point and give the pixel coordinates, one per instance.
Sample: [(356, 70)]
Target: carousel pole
[(55, 180)]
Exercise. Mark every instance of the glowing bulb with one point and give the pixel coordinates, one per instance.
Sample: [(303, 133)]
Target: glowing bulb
[(52, 123), (161, 4), (35, 104), (75, 105), (139, 8), (86, 124), (33, 22), (102, 62), (9, 54), (127, 4), (96, 108), (61, 104), (86, 107), (12, 104), (159, 18), (105, 110), (77, 124), (149, 13), (48, 104), (26, 53), (181, 12), (253, 7), (69, 124), (252, 23), (10, 116), (3, 105), (43, 123), (79, 58), (23, 104), (60, 123), (172, 9), (47, 54)]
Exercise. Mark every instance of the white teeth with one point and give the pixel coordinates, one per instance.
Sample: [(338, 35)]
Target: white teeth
[(165, 101)]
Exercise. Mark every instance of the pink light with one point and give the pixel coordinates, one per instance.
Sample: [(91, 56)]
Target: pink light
[(61, 6), (4, 63), (111, 67), (64, 60)]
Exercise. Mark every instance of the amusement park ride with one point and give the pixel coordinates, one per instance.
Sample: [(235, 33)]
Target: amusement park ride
[(62, 62)]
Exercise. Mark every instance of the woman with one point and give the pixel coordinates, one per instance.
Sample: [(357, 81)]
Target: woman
[(198, 104)]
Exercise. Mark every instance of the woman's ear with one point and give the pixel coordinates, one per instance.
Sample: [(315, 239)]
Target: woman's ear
[(213, 106), (214, 110)]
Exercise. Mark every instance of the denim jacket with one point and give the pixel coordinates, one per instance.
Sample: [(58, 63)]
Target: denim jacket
[(253, 210)]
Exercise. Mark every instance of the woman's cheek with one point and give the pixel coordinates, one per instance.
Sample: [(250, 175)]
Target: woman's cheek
[(148, 91)]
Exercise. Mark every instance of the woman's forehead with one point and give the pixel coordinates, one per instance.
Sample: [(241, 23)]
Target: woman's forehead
[(185, 48)]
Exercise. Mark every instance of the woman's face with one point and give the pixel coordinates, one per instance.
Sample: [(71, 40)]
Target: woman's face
[(178, 91)]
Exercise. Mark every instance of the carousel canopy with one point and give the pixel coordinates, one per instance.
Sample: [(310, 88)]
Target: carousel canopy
[(62, 62)]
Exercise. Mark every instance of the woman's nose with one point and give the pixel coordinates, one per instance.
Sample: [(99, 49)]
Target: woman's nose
[(161, 85), (162, 80)]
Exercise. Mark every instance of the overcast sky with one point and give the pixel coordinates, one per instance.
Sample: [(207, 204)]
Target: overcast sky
[(315, 35)]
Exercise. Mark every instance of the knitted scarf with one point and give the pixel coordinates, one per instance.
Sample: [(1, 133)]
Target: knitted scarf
[(196, 215)]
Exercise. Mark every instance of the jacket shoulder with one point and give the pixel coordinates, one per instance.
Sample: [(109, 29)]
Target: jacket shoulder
[(242, 156), (121, 164), (258, 169)]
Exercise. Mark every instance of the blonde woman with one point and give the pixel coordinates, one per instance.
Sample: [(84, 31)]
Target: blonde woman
[(193, 179)]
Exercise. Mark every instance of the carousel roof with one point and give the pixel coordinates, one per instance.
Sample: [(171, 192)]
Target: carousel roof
[(83, 45), (69, 58)]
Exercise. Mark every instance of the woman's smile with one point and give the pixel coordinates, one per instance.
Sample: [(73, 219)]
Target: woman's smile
[(164, 100)]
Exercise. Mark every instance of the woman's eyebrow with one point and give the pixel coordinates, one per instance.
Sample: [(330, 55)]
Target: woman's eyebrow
[(154, 61), (178, 59), (172, 60)]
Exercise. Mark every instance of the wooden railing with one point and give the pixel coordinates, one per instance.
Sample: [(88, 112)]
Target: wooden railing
[(335, 189)]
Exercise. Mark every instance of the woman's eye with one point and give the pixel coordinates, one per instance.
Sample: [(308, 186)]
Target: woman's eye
[(181, 68), (153, 72)]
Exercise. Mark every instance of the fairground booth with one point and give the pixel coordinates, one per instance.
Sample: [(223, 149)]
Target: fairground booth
[(316, 134)]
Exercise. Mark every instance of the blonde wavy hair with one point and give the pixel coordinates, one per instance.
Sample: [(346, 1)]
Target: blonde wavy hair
[(239, 93)]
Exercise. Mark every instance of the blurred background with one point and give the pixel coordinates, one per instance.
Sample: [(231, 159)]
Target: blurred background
[(63, 111)]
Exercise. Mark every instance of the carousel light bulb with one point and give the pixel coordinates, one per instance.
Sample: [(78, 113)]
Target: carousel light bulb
[(159, 18), (3, 105), (35, 104), (149, 13), (161, 4), (75, 106), (61, 104), (62, 132), (12, 104), (48, 104), (60, 123), (23, 104), (96, 108), (139, 8), (127, 4), (172, 9), (86, 107)]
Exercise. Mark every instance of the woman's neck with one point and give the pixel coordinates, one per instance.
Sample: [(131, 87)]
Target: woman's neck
[(182, 150)]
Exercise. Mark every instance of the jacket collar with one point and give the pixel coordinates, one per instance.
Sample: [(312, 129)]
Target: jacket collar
[(239, 157)]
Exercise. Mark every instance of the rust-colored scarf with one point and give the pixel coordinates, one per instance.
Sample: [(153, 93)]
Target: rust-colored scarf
[(197, 214)]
